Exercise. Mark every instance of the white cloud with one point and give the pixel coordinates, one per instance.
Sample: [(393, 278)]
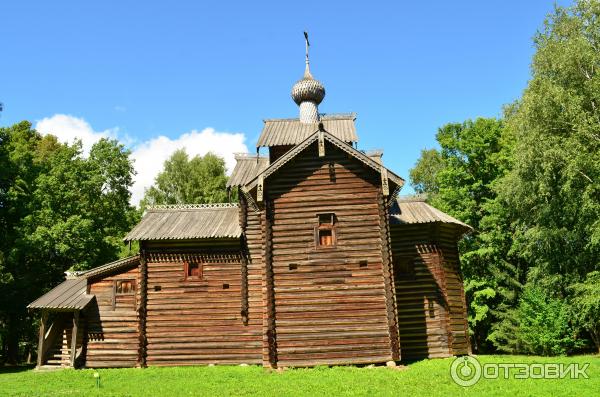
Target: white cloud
[(150, 155), (68, 128)]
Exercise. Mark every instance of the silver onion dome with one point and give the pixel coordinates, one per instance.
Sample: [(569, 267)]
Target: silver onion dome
[(308, 90), (308, 93)]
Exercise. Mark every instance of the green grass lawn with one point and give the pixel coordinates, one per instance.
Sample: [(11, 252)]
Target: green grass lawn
[(427, 377)]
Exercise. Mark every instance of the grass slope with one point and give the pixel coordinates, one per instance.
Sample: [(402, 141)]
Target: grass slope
[(428, 377)]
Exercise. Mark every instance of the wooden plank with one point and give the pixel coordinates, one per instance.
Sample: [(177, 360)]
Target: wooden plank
[(74, 332), (42, 335)]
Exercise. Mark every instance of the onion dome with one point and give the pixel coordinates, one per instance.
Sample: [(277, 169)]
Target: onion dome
[(308, 89), (308, 93)]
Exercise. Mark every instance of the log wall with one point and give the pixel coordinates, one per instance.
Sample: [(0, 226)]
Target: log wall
[(200, 321), (429, 291), (112, 323), (330, 303)]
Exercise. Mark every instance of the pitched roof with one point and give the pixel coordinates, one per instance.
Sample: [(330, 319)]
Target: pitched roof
[(368, 161), (246, 168), (69, 295), (110, 267), (416, 210), (191, 221), (72, 294), (278, 132)]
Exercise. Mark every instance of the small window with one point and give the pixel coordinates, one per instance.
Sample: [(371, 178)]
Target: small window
[(325, 231), (193, 270), (125, 287)]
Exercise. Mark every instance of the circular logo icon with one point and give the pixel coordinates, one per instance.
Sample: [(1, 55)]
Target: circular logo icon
[(465, 371)]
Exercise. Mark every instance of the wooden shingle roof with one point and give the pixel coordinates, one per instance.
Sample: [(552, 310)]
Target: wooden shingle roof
[(246, 168), (72, 294), (67, 296), (327, 136), (277, 132), (190, 221), (416, 210)]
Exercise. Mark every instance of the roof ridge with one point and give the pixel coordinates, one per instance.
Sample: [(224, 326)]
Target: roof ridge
[(322, 116), (290, 154), (191, 206), (413, 198), (109, 265), (249, 156)]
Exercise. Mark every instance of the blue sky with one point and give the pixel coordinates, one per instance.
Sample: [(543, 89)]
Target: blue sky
[(158, 75)]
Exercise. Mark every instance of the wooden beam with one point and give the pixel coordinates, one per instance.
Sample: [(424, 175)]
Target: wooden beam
[(142, 310), (260, 188), (385, 186), (388, 280), (43, 323), (321, 144), (74, 337)]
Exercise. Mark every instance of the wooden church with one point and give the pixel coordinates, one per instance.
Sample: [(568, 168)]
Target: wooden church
[(318, 263)]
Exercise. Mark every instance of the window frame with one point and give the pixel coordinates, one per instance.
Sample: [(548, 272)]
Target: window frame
[(186, 271), (132, 291), (322, 226)]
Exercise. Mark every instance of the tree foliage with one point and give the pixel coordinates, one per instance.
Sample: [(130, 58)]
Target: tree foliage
[(586, 305), (530, 186), (58, 211), (198, 180)]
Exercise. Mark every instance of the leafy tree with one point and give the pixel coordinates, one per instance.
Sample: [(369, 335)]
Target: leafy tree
[(459, 179), (540, 324), (530, 185), (554, 185), (586, 305), (423, 177), (198, 180), (59, 211)]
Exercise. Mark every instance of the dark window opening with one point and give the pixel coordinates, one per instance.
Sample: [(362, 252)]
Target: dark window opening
[(325, 231), (125, 287), (225, 286), (293, 266), (193, 270), (362, 263), (157, 288)]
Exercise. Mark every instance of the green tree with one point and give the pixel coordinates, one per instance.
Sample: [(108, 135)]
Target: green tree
[(586, 305), (541, 324), (60, 211), (460, 180), (423, 177), (553, 187), (198, 180)]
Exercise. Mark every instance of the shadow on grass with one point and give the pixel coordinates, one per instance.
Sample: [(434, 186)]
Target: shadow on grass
[(10, 369)]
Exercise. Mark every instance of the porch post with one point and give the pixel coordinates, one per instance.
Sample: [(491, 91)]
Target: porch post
[(74, 337), (40, 354)]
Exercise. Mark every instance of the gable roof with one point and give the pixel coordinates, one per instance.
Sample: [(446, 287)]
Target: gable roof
[(416, 210), (68, 295), (368, 161), (110, 267), (277, 132), (189, 221), (246, 168), (72, 294)]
